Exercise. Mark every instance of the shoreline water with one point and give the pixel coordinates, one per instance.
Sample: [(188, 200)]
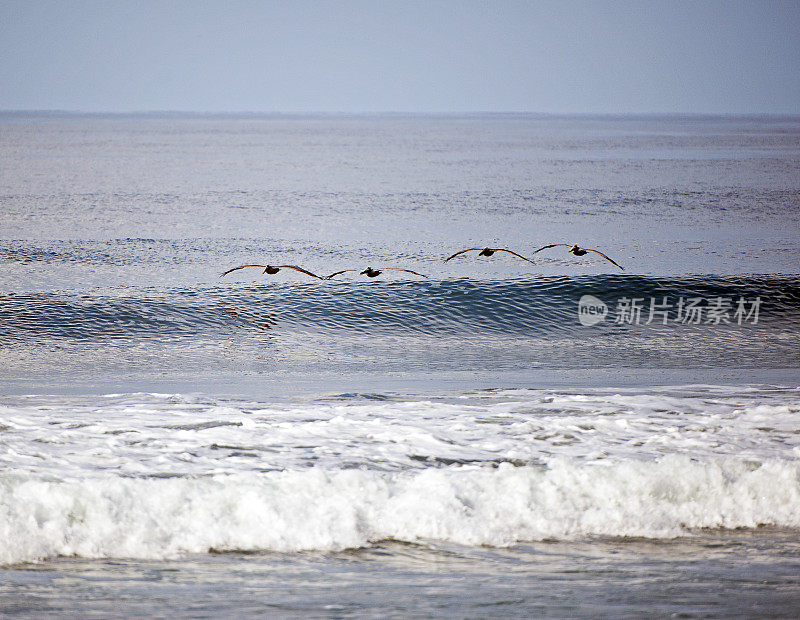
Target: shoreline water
[(721, 574), (280, 386)]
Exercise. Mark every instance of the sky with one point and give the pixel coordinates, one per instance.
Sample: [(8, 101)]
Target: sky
[(429, 56)]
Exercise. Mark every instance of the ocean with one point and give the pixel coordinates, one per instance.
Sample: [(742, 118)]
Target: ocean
[(556, 437)]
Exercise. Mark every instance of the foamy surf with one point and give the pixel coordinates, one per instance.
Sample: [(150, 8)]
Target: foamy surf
[(117, 517), (154, 476)]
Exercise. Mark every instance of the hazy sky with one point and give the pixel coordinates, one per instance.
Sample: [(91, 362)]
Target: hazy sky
[(427, 56)]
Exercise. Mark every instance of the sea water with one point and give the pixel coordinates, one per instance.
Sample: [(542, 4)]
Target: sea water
[(502, 437)]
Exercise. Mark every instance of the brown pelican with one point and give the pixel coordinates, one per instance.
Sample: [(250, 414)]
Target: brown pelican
[(487, 252), (272, 270), (578, 251), (371, 273)]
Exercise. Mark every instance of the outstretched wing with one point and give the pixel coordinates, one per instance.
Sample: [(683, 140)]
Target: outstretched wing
[(514, 253), (553, 245), (461, 252), (408, 270), (337, 273), (301, 270), (241, 267), (606, 257)]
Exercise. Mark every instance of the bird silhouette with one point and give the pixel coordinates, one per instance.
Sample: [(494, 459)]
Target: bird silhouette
[(578, 251), (372, 273), (487, 252), (272, 270)]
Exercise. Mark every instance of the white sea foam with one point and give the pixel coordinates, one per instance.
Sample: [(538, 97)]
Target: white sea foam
[(112, 516), (155, 475), (162, 434)]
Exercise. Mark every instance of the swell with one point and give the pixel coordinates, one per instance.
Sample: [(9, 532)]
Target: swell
[(533, 307)]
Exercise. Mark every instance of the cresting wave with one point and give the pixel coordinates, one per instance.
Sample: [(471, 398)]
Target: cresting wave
[(529, 306), (291, 511)]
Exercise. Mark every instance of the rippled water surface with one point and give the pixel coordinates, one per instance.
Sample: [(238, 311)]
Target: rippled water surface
[(552, 437)]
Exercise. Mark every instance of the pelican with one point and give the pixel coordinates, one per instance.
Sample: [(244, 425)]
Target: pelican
[(371, 273), (488, 252), (272, 270), (578, 251)]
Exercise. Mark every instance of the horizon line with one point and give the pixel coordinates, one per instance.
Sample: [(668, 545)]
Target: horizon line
[(398, 113)]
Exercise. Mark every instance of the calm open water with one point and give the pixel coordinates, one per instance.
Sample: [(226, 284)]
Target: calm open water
[(561, 438)]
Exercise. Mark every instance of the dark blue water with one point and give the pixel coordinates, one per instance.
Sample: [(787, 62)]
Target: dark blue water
[(452, 323)]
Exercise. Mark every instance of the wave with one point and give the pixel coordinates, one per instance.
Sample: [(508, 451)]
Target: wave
[(116, 517), (518, 307)]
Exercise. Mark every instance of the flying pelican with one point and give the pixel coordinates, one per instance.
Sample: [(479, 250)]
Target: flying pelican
[(488, 252), (371, 273), (578, 251), (272, 270)]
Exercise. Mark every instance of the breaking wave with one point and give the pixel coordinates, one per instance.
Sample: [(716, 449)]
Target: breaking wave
[(302, 510)]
